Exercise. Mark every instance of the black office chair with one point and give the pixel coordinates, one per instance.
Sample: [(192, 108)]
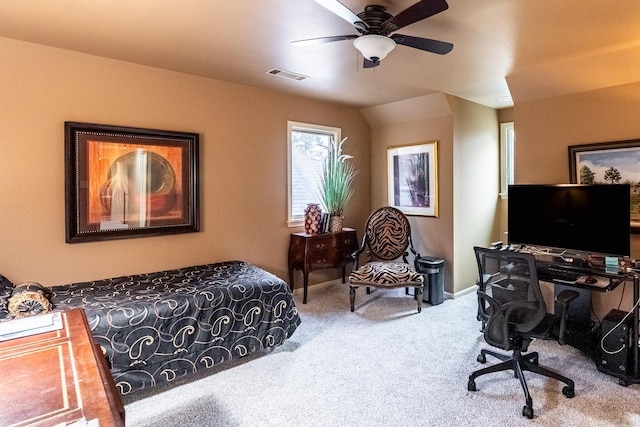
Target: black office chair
[(513, 313)]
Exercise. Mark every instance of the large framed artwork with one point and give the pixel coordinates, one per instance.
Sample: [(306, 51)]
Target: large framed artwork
[(413, 178), (615, 162), (123, 182)]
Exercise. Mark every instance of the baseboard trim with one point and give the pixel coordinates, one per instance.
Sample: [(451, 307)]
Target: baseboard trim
[(464, 292), (298, 292)]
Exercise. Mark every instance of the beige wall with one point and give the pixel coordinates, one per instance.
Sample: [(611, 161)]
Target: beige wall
[(476, 186), (504, 115), (546, 128), (467, 178), (410, 122), (243, 159), (243, 169)]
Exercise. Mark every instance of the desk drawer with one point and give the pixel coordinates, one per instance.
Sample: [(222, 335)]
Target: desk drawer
[(323, 244), (326, 259)]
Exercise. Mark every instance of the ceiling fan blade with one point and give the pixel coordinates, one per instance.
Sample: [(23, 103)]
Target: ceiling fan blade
[(434, 46), (320, 40), (343, 12), (419, 11), (370, 64)]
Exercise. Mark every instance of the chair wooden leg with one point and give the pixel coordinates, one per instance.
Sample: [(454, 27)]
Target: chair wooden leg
[(352, 297), (418, 293)]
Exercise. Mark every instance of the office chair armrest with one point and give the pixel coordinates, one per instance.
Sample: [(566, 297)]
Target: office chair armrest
[(564, 298), (494, 319), (506, 308), (509, 308), (499, 317)]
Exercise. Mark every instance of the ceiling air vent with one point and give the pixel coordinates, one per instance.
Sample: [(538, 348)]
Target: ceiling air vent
[(287, 74)]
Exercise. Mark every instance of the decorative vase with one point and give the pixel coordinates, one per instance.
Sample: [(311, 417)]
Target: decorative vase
[(312, 215), (335, 223)]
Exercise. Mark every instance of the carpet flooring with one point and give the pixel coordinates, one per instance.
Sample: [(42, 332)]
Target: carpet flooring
[(384, 365)]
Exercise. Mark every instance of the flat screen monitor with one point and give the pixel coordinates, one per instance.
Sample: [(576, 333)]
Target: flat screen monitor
[(582, 218)]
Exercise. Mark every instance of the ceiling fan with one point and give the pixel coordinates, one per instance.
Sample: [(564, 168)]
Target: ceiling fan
[(375, 26)]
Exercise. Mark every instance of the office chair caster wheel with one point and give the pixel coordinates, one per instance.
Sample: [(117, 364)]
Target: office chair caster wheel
[(527, 411), (482, 358), (568, 392), (471, 386)]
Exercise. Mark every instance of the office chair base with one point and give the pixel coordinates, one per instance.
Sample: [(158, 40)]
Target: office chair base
[(519, 363), (532, 357)]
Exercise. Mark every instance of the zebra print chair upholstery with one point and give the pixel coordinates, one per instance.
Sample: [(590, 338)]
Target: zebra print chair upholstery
[(387, 237)]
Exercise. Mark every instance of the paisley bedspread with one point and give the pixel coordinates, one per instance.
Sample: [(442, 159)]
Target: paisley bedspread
[(162, 326)]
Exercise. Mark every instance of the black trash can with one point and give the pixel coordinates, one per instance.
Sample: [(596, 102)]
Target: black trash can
[(432, 269)]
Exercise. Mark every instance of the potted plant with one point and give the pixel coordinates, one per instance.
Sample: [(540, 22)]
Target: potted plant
[(335, 184)]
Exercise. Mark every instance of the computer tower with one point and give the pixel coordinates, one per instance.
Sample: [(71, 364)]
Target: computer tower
[(616, 342)]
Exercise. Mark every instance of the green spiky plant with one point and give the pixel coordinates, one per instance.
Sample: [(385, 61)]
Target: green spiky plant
[(335, 181)]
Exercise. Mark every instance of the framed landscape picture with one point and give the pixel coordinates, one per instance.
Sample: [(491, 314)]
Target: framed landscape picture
[(412, 178), (615, 162), (129, 182)]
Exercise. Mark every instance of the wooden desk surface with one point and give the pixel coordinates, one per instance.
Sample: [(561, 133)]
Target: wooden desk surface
[(57, 377)]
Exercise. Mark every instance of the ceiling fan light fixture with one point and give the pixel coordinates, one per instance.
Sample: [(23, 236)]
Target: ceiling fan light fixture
[(374, 47)]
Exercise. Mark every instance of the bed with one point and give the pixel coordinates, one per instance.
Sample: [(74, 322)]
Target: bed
[(158, 327)]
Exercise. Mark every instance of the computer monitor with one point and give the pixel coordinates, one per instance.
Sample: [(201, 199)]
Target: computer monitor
[(592, 219)]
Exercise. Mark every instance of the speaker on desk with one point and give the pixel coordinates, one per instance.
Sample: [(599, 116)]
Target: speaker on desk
[(616, 342)]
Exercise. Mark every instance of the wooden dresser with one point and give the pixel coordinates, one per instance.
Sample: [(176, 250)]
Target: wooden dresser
[(57, 377), (320, 251)]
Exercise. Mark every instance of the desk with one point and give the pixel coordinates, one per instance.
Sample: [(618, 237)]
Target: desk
[(57, 377), (319, 251), (587, 341)]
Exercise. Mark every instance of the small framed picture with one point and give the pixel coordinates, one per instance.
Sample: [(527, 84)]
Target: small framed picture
[(123, 182), (413, 178)]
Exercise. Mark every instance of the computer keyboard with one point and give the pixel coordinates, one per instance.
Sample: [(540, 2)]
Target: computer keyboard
[(558, 275)]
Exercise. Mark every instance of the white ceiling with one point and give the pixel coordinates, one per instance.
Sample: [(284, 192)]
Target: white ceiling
[(529, 49)]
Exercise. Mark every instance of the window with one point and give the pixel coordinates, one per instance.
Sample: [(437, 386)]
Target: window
[(507, 143), (307, 148)]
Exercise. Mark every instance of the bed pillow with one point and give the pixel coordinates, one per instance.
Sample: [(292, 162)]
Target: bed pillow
[(29, 299), (6, 288)]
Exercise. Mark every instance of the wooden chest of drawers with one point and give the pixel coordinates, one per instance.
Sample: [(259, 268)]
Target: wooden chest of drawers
[(320, 251)]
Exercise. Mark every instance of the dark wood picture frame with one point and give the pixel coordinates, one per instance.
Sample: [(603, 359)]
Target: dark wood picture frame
[(124, 182), (609, 162)]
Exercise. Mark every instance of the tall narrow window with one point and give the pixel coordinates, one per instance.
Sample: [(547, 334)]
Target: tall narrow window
[(307, 148), (507, 145)]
